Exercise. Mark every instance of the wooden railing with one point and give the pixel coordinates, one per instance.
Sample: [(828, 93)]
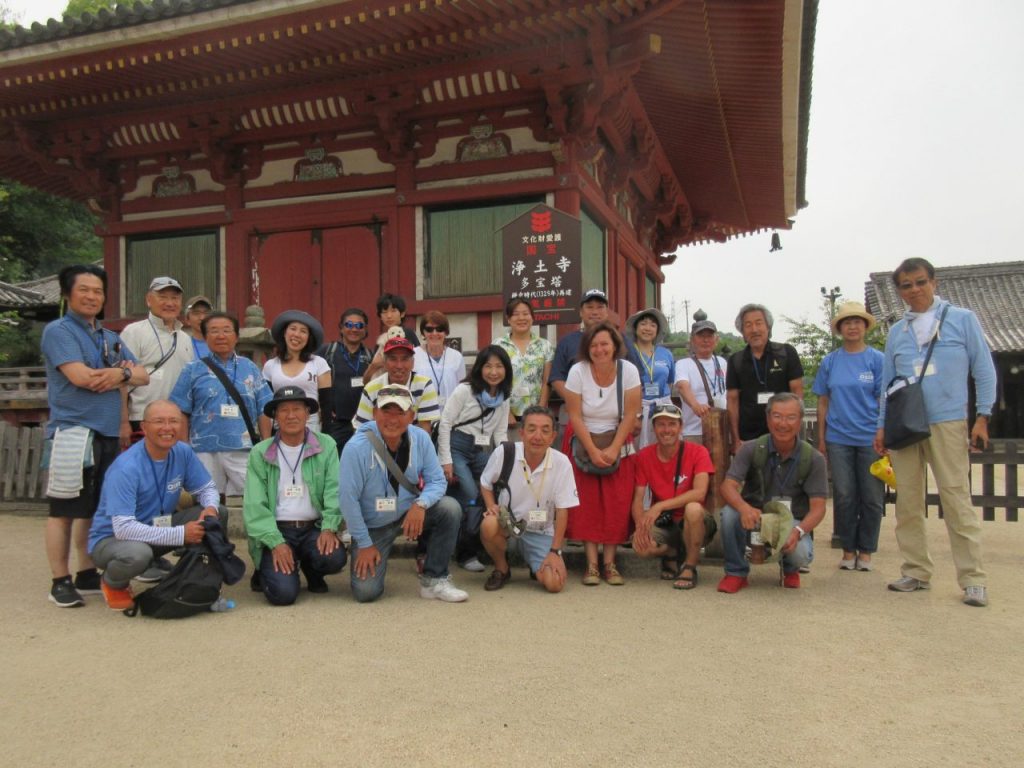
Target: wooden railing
[(20, 451), (23, 383)]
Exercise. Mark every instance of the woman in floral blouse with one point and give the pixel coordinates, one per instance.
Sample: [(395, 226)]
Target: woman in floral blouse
[(531, 358)]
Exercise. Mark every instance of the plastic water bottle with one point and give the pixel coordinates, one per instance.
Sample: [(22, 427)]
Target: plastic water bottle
[(222, 605)]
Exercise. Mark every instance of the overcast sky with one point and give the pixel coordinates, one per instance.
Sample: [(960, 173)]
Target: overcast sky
[(915, 149)]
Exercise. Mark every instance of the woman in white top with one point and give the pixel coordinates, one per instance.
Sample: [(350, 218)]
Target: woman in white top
[(601, 431), (296, 334), (474, 421), (435, 359)]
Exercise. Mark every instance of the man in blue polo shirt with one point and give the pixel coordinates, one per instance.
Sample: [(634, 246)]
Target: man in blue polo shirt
[(215, 424), (138, 520), (86, 368)]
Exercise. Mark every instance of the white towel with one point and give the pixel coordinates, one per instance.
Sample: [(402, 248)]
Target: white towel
[(67, 457)]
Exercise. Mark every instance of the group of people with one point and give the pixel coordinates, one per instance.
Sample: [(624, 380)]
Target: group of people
[(398, 439)]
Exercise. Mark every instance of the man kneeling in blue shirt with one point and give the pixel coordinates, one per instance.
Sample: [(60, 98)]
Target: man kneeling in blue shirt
[(379, 503), (137, 519)]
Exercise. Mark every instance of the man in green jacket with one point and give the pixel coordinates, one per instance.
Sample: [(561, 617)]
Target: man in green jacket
[(291, 503)]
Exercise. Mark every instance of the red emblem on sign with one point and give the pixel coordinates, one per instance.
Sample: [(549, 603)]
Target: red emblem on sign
[(540, 222)]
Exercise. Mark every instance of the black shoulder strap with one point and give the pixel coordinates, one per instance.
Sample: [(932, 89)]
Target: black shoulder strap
[(484, 413), (931, 345), (508, 460), (331, 349), (393, 468), (704, 378), (233, 394)]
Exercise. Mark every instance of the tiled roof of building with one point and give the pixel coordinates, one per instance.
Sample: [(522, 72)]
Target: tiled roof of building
[(994, 292), (126, 14), (17, 296)]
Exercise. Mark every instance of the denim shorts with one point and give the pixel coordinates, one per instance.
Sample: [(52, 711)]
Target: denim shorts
[(532, 547)]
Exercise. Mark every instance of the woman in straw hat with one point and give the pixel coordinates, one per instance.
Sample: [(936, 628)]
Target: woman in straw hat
[(848, 386)]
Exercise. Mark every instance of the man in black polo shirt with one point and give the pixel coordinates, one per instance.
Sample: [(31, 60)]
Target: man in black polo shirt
[(348, 359), (756, 372)]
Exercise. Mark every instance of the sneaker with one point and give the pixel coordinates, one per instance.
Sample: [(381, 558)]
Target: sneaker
[(976, 596), (612, 575), (473, 565), (804, 569), (88, 582), (442, 589), (848, 564), (791, 580), (497, 580), (151, 575), (117, 599), (908, 584), (864, 565), (732, 584), (592, 577), (64, 595)]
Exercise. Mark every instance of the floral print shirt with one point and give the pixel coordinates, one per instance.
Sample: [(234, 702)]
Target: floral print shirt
[(527, 370)]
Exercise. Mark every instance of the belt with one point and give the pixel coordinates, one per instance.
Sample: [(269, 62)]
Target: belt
[(296, 523)]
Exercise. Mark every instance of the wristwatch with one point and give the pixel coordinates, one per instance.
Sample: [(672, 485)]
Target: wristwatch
[(556, 551), (801, 530), (126, 374)]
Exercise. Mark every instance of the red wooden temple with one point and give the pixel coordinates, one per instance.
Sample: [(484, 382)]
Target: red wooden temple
[(315, 153)]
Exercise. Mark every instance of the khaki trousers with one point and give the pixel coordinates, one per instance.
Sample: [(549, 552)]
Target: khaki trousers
[(946, 453)]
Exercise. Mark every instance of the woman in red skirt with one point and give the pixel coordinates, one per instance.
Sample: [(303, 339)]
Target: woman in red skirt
[(599, 442)]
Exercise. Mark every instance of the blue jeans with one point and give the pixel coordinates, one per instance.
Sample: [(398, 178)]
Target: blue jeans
[(734, 542), (283, 588), (442, 524), (468, 463), (858, 497)]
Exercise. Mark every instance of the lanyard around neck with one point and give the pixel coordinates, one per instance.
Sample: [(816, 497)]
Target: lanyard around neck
[(298, 461), (537, 494)]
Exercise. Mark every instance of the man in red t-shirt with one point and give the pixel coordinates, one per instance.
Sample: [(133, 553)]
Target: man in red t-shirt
[(678, 475)]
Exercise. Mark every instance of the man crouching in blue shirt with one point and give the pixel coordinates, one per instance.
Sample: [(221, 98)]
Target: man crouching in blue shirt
[(379, 503), (137, 519)]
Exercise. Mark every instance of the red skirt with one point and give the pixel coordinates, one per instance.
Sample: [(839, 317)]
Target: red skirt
[(603, 515)]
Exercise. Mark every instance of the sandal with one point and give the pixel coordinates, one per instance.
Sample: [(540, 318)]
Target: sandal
[(669, 568), (683, 581)]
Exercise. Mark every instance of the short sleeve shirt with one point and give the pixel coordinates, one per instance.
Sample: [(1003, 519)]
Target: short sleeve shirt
[(424, 399), (600, 404), (527, 370), (781, 477), (714, 369), (853, 383), (552, 481), (658, 370), (779, 365), (660, 475)]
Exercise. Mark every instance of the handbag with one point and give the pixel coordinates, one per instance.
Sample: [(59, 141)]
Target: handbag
[(906, 416), (600, 439)]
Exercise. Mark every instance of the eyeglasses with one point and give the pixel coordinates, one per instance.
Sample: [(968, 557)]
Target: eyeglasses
[(919, 283), (434, 329), (220, 331), (173, 422), (788, 418), (354, 326)]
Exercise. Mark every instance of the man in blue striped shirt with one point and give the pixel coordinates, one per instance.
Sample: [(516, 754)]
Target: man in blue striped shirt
[(138, 518)]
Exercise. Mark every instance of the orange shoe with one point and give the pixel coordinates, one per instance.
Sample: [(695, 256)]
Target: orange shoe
[(732, 584), (791, 580), (117, 599)]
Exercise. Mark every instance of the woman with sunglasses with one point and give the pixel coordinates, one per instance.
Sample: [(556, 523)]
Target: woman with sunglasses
[(474, 421), (296, 335), (435, 359), (531, 358)]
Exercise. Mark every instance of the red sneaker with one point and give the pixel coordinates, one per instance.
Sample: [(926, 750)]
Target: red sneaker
[(117, 599), (732, 584), (791, 580)]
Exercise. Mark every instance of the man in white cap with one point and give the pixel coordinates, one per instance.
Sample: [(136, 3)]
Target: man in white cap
[(700, 379), (160, 344), (391, 483)]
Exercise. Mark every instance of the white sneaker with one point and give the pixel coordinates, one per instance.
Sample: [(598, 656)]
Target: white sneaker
[(473, 565), (442, 589)]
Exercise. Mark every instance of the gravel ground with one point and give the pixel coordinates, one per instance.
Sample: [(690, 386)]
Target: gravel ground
[(840, 673)]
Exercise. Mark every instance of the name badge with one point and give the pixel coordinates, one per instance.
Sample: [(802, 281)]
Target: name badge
[(293, 491), (356, 382), (229, 411), (482, 440), (764, 397), (537, 516), (651, 390), (164, 521), (387, 504)]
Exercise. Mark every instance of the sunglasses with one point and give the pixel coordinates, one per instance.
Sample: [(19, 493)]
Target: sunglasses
[(434, 329), (392, 392), (665, 410), (354, 326)]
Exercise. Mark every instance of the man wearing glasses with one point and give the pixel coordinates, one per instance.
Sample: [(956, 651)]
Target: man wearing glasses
[(781, 470), (348, 359), (138, 518), (87, 367), (390, 482), (960, 349)]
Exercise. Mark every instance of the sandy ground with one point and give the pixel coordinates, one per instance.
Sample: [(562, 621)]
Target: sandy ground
[(839, 673)]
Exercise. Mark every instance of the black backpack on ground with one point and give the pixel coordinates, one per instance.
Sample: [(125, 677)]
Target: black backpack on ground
[(191, 587)]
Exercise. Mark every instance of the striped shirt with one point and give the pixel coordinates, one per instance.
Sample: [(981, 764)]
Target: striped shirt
[(424, 399)]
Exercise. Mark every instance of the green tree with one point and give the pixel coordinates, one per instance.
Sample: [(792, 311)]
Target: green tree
[(76, 8)]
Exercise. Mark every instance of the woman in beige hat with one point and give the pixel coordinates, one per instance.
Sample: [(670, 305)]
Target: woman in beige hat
[(848, 385)]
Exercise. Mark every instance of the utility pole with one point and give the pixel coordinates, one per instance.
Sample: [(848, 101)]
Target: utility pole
[(831, 296)]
